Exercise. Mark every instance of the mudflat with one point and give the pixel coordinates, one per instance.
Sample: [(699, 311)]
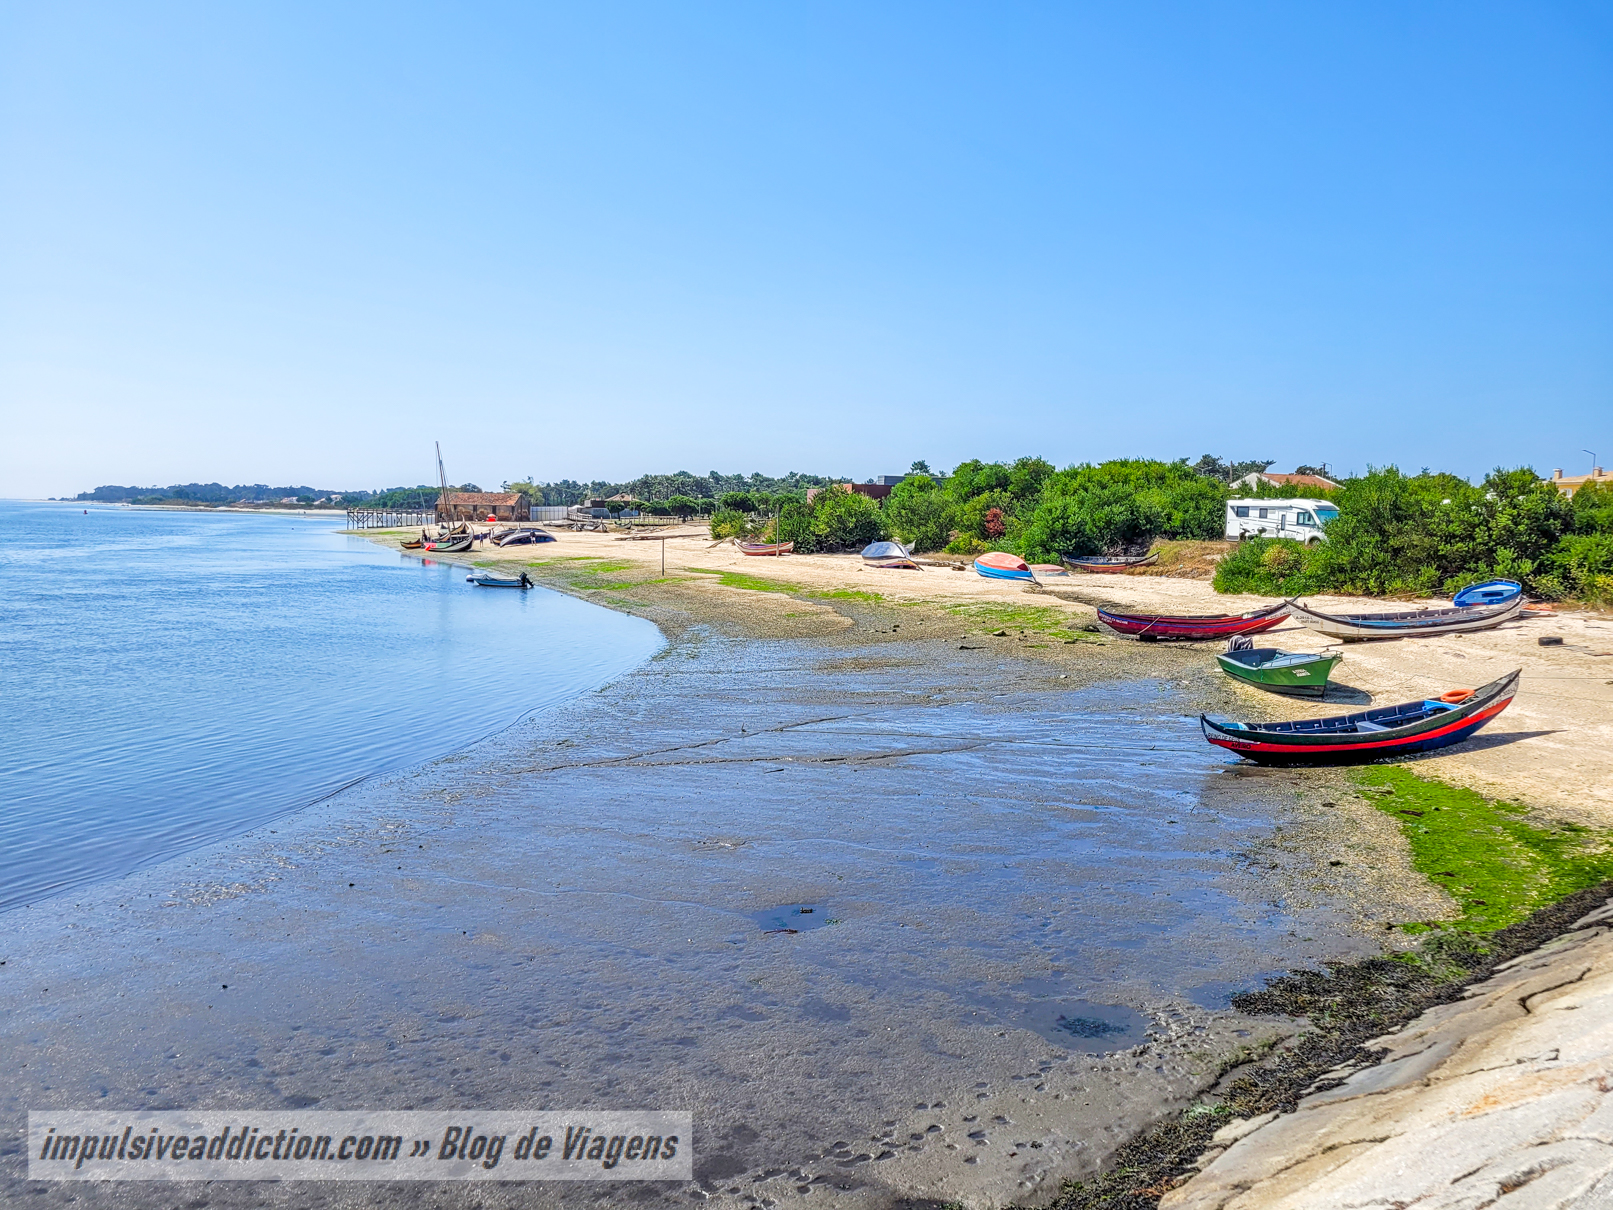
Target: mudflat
[(1032, 887)]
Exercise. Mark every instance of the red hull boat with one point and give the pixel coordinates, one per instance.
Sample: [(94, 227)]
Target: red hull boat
[(1151, 626)]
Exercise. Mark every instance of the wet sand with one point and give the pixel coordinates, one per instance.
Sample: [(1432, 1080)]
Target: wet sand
[(995, 831)]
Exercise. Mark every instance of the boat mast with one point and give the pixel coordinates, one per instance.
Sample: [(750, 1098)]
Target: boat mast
[(442, 480)]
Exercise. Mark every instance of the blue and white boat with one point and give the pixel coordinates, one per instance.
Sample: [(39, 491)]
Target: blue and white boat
[(1491, 592)]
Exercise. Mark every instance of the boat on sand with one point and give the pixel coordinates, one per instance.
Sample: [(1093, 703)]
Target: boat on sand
[(1389, 731), (1299, 673), (765, 548), (999, 565), (1109, 563), (1151, 626), (1406, 623), (888, 554)]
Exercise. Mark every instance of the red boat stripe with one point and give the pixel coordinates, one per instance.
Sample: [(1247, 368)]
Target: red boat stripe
[(1482, 716)]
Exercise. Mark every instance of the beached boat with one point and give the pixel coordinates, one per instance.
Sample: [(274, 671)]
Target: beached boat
[(1390, 731), (1301, 673), (414, 543), (1109, 563), (1406, 623), (449, 546), (765, 548), (888, 554), (1151, 626), (487, 578), (1491, 592), (522, 537), (999, 565)]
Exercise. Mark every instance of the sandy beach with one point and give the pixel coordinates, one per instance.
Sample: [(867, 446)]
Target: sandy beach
[(1006, 818)]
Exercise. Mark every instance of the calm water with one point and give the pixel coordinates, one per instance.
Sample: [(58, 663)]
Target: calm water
[(173, 678)]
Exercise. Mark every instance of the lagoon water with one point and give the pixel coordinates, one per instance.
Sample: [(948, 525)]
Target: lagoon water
[(174, 678)]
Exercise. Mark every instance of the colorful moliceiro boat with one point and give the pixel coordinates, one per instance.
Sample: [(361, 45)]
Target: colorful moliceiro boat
[(1109, 563), (1407, 623), (1491, 592), (1391, 731), (888, 554), (998, 565), (1151, 626), (1302, 673)]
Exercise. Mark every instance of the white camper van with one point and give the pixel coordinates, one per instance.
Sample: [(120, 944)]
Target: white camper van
[(1299, 519)]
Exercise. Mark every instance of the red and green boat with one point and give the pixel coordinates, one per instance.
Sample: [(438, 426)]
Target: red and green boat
[(1350, 739)]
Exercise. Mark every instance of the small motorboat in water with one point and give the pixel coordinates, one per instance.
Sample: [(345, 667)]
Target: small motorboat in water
[(486, 577), (1368, 734)]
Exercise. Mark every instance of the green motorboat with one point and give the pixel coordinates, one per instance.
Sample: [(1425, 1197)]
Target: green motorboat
[(1303, 673)]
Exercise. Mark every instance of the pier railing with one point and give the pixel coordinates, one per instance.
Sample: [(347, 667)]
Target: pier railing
[(384, 518)]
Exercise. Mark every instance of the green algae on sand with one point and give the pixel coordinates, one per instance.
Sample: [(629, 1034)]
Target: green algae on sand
[(1498, 861)]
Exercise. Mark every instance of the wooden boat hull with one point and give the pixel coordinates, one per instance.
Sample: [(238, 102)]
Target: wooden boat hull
[(417, 544), (765, 548), (1148, 627), (1100, 565), (1354, 627), (1368, 735), (1294, 673), (450, 546), (888, 554), (999, 566)]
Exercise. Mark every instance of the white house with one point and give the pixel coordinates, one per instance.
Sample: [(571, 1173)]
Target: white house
[(1299, 519)]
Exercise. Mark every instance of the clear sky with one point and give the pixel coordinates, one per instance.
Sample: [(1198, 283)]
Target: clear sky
[(289, 243)]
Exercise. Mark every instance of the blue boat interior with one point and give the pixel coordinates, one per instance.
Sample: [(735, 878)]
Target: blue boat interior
[(1386, 719)]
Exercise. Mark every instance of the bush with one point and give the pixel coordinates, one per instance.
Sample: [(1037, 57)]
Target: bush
[(843, 520), (728, 523), (1123, 505), (920, 513), (1271, 567)]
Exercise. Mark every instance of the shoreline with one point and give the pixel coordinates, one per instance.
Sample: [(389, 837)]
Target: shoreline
[(341, 987)]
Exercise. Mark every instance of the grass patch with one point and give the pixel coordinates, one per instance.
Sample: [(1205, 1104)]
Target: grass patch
[(846, 594), (738, 579), (596, 586), (1488, 855), (1013, 617)]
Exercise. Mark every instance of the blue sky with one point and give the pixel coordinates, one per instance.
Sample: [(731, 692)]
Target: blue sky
[(299, 243)]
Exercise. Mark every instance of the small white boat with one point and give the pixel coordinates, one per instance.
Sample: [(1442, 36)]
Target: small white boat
[(487, 578)]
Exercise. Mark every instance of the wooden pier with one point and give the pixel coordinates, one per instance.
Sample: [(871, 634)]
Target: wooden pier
[(383, 518)]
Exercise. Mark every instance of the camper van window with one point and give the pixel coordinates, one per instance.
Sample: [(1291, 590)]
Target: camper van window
[(1327, 514), (1242, 510), (1262, 514), (1304, 518)]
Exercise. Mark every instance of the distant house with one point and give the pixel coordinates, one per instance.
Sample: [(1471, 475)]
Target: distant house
[(479, 506), (871, 489), (1254, 480), (1569, 484)]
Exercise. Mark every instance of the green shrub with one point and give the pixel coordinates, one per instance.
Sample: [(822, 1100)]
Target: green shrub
[(1271, 567), (1122, 505), (843, 520), (728, 523), (920, 513)]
